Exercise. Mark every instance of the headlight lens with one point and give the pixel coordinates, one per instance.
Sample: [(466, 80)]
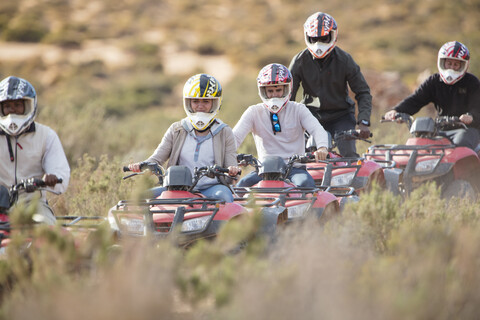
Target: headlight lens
[(132, 225), (426, 166), (195, 224), (344, 179), (298, 211)]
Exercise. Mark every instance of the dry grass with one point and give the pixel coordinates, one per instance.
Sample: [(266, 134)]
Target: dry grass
[(383, 258)]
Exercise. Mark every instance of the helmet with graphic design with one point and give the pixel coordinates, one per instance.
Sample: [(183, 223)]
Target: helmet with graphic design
[(457, 51), (274, 75), (13, 88), (320, 31), (202, 86)]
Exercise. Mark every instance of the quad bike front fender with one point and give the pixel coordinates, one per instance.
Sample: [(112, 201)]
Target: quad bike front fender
[(392, 179), (272, 217)]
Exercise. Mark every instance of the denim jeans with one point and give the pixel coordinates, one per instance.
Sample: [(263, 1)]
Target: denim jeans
[(298, 176), (346, 148), (217, 191), (463, 137)]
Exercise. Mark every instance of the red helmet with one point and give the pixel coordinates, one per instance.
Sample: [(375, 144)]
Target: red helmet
[(453, 50), (320, 31), (272, 75)]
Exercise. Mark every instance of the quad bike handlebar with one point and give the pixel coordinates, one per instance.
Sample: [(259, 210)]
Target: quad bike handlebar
[(29, 186), (441, 122), (247, 160), (351, 134), (449, 123), (400, 117), (155, 168), (212, 171)]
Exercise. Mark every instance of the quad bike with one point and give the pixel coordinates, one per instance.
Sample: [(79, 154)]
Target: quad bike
[(179, 213), (9, 197), (275, 191), (356, 172), (428, 156)]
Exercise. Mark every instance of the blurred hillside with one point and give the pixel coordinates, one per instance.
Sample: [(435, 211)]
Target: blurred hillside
[(109, 73)]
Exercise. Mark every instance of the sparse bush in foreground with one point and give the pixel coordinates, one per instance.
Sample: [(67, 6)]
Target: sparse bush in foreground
[(384, 258)]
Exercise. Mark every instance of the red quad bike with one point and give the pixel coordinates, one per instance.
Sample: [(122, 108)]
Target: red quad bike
[(427, 156), (275, 191), (356, 172), (8, 197), (179, 213)]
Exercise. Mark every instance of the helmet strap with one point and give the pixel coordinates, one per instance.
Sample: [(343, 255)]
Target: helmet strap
[(10, 150)]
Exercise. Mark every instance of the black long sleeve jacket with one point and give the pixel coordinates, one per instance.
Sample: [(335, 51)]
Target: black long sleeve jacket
[(325, 85), (449, 100)]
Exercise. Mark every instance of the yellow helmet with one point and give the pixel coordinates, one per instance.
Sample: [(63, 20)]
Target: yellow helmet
[(202, 86)]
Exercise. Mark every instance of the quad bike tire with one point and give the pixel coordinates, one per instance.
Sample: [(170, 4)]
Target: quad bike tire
[(459, 189)]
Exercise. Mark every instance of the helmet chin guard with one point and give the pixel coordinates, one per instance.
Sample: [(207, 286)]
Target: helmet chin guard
[(201, 120)]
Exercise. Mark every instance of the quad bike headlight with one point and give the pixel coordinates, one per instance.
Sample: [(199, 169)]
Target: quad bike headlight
[(344, 179), (133, 226), (195, 224), (427, 165), (298, 211)]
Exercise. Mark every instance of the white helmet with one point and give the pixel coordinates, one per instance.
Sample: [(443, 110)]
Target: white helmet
[(456, 51), (202, 86), (13, 88), (320, 31), (271, 75)]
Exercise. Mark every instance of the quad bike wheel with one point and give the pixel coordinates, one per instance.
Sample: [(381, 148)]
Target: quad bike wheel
[(459, 189)]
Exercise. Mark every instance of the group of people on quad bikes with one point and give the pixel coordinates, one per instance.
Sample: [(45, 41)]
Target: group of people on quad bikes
[(278, 123)]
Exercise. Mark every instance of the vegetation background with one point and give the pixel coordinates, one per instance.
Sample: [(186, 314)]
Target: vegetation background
[(109, 75)]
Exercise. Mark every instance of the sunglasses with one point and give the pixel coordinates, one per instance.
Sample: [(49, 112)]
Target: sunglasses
[(275, 123)]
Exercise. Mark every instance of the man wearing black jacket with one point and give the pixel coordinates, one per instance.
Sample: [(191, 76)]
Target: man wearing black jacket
[(325, 73), (453, 91)]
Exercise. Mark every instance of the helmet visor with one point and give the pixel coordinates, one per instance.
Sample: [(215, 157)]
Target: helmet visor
[(16, 106), (205, 105), (274, 91), (324, 39), (454, 64)]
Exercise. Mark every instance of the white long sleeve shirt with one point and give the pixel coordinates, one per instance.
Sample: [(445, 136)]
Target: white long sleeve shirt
[(294, 119), (34, 154)]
